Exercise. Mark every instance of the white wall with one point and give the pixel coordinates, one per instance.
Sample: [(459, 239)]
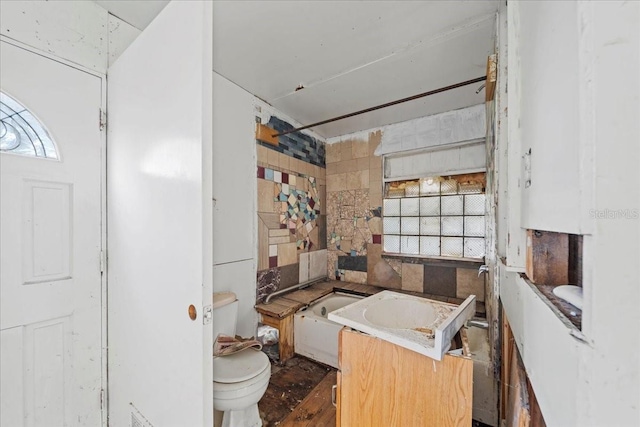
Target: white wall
[(235, 235), (549, 50), (589, 378), (234, 193), (609, 387)]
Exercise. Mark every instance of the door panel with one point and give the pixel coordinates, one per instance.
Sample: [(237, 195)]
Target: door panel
[(160, 359), (50, 278)]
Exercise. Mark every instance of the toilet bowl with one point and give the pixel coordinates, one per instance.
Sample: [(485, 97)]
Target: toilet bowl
[(239, 379)]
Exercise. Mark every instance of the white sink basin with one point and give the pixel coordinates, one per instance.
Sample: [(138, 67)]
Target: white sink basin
[(419, 324), (401, 314)]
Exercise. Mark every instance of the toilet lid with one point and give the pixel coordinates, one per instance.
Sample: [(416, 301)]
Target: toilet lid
[(239, 366)]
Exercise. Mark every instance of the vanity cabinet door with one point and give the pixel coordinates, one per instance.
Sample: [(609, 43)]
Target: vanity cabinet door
[(387, 385)]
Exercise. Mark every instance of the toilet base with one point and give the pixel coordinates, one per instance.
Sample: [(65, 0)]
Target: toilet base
[(247, 417)]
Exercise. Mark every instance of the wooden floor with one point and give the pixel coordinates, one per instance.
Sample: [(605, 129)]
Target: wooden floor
[(299, 394)]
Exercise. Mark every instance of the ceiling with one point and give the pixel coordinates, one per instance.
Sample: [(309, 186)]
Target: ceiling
[(348, 55), (134, 12)]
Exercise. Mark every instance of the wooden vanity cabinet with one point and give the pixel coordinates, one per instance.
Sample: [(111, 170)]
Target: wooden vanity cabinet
[(382, 384)]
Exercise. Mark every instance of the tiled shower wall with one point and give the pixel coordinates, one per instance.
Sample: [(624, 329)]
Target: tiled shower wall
[(291, 208), (354, 230)]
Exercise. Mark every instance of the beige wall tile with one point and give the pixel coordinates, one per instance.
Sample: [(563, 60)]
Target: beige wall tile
[(294, 165), (375, 187), (375, 225), (347, 166), (287, 254), (375, 200), (337, 182), (322, 192), (379, 272), (332, 153), (359, 149), (262, 153), (355, 276), (375, 176), (362, 164), (468, 283), (274, 159), (345, 150), (263, 246), (265, 195), (364, 178), (306, 168), (276, 240), (284, 162), (413, 277), (375, 162), (345, 245), (318, 264), (354, 181)]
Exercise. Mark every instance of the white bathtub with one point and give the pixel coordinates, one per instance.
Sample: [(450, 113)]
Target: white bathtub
[(314, 335)]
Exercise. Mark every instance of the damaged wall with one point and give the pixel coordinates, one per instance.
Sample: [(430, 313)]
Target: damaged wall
[(354, 222), (291, 209)]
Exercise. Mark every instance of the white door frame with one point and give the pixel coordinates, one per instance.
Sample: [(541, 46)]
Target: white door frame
[(103, 208)]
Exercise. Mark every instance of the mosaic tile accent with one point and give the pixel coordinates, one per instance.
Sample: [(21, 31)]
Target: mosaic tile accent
[(347, 222), (377, 238), (297, 144), (297, 209)]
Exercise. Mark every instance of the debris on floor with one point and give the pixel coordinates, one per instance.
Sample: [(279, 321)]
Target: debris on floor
[(290, 383)]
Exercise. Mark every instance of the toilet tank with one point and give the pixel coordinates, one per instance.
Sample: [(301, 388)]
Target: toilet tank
[(225, 310)]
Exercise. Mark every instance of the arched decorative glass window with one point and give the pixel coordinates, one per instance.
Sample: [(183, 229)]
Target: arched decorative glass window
[(21, 133)]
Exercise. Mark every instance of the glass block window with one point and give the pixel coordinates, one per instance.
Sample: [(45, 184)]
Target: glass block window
[(435, 216), (21, 133)]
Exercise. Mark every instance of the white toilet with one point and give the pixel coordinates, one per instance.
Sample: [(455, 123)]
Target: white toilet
[(240, 379)]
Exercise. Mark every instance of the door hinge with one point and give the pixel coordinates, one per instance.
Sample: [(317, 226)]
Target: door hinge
[(102, 120), (103, 261)]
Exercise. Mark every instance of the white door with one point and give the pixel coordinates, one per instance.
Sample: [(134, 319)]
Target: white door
[(50, 229), (159, 224)]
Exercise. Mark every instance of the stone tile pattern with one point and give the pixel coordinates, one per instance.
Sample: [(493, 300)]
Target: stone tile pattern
[(354, 200), (268, 282), (354, 230), (291, 211), (297, 145)]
